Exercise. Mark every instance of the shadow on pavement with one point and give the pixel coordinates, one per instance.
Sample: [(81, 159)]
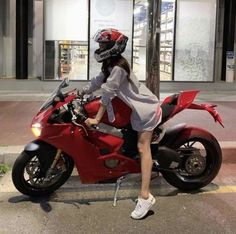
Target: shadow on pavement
[(67, 196), (42, 201)]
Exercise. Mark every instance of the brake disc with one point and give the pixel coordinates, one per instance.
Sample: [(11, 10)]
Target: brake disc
[(32, 167), (195, 164)]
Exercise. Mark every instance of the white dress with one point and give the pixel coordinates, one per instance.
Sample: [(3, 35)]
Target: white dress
[(146, 111)]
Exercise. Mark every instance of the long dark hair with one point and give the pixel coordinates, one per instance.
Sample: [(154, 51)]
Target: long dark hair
[(118, 60)]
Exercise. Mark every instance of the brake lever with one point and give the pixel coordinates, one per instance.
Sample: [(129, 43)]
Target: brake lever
[(81, 126)]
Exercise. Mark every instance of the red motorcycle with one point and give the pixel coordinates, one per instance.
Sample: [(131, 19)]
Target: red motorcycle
[(188, 157)]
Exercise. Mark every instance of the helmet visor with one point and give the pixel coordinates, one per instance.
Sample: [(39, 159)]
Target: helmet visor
[(102, 36)]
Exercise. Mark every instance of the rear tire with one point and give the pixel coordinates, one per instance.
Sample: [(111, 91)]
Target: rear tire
[(28, 175), (200, 166)]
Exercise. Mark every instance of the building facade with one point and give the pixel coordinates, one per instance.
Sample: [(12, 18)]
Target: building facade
[(53, 39)]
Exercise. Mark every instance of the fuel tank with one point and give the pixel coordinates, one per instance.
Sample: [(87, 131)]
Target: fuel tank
[(122, 112)]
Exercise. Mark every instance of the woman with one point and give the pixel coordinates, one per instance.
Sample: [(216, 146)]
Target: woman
[(117, 79)]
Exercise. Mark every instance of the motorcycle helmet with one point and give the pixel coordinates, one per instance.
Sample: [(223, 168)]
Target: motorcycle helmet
[(111, 43)]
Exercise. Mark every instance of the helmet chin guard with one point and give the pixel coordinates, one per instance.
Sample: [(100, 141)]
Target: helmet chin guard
[(113, 41)]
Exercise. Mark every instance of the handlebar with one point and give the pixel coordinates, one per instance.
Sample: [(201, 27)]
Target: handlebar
[(74, 105)]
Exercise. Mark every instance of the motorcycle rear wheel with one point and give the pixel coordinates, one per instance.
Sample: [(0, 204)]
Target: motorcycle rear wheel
[(30, 179), (200, 164)]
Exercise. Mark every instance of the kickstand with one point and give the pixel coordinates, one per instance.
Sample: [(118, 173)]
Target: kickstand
[(118, 183)]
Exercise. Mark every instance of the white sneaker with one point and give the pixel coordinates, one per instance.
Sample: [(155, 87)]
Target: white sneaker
[(143, 206)]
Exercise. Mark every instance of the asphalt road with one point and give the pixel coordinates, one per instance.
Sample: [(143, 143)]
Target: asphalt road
[(77, 208)]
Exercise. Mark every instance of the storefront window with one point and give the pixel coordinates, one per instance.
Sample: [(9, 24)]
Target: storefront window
[(167, 39), (69, 45), (115, 14), (66, 39), (139, 39), (195, 40)]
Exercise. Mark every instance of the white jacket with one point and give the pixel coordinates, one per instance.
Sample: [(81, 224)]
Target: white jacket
[(146, 111)]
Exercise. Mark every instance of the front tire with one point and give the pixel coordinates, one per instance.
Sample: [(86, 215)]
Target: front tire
[(201, 160), (29, 175)]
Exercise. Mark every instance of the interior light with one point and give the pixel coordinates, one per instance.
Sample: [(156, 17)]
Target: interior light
[(137, 11)]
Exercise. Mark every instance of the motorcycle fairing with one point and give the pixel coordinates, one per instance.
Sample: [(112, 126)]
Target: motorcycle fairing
[(184, 100), (176, 103), (210, 108), (85, 151)]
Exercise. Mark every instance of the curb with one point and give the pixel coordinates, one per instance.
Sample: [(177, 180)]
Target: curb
[(8, 154), (228, 151)]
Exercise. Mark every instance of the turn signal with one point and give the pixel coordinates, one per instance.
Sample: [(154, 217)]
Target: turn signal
[(36, 129)]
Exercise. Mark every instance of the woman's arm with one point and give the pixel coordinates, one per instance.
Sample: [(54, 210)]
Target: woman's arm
[(100, 113), (109, 88), (95, 84), (108, 93)]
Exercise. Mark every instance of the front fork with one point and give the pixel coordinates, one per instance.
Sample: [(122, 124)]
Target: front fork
[(54, 163)]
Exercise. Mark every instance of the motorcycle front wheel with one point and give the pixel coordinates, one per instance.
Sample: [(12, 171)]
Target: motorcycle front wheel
[(201, 160), (30, 176)]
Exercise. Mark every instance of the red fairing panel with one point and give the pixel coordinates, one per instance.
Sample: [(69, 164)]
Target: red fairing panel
[(121, 111), (103, 140), (185, 99), (210, 108), (85, 153)]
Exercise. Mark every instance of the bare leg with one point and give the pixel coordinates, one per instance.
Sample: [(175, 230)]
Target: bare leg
[(144, 139)]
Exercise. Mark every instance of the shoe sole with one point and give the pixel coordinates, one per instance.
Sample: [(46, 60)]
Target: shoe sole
[(152, 202)]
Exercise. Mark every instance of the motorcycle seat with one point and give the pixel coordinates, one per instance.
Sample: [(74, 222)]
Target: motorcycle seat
[(168, 108)]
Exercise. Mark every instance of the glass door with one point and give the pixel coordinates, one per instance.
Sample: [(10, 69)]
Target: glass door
[(66, 39)]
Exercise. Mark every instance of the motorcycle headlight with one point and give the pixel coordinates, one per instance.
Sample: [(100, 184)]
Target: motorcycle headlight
[(36, 128)]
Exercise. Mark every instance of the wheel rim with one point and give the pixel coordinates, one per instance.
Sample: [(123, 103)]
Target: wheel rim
[(34, 177), (197, 160)]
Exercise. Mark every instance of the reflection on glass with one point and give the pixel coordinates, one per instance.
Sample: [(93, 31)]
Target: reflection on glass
[(167, 37), (73, 60), (195, 40), (66, 39), (109, 14), (139, 39), (66, 59)]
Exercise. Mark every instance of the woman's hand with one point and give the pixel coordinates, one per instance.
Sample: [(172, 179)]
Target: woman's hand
[(89, 122)]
